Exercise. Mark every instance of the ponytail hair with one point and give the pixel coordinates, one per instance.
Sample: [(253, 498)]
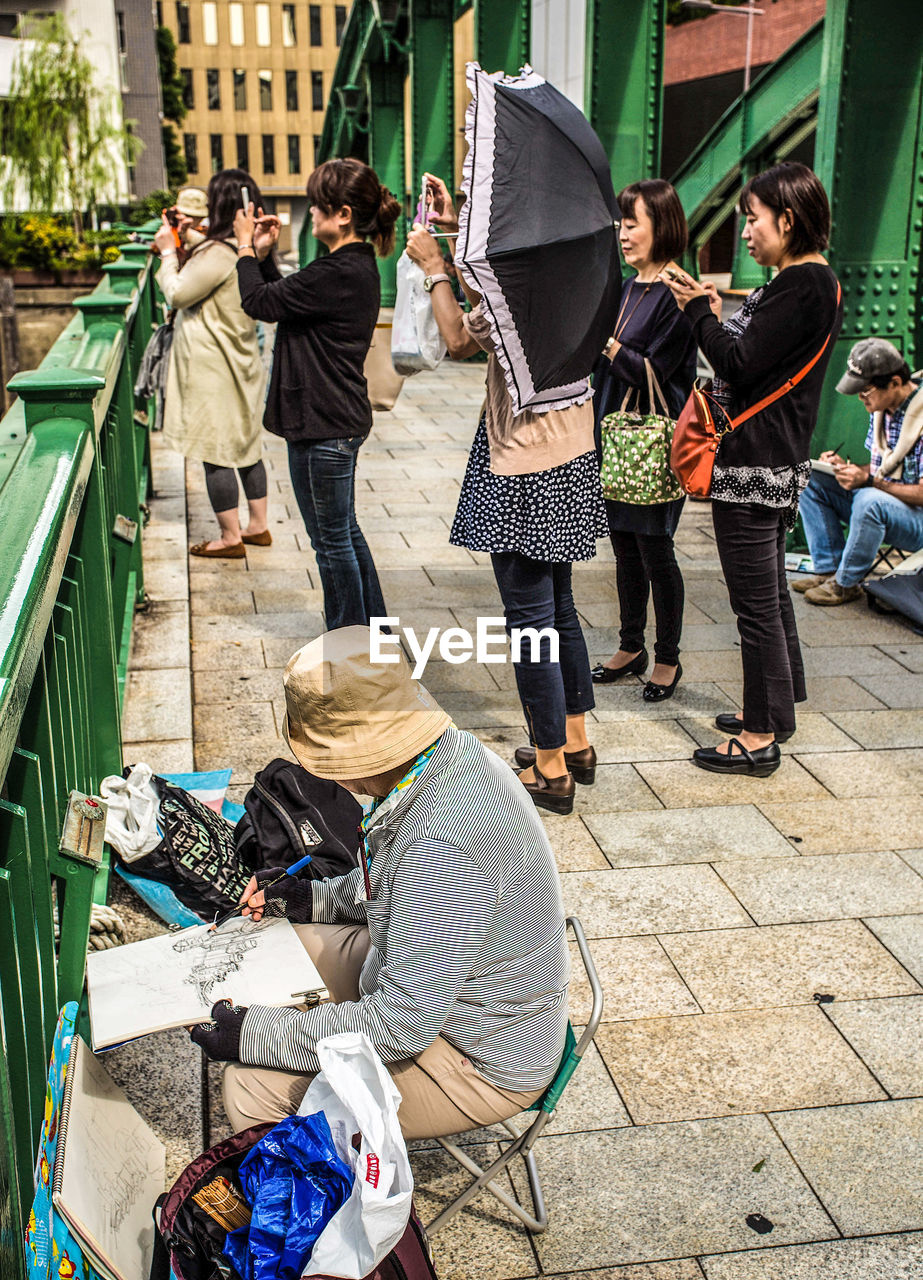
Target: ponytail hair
[(336, 183)]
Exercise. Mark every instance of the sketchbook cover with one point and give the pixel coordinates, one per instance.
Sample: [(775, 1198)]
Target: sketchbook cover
[(174, 979)]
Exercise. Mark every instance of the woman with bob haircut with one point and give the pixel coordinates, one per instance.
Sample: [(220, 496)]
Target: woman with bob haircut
[(215, 381), (650, 327), (318, 399), (762, 467)]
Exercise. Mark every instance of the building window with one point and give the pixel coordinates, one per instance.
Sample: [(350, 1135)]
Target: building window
[(158, 7), (265, 79), (291, 91), (294, 153), (316, 146), (188, 90), (269, 153), (216, 150), (182, 22), (240, 89), (314, 24), (340, 20), (213, 89), (263, 30), (236, 16), (317, 90), (243, 151), (209, 22), (289, 37), (192, 152)]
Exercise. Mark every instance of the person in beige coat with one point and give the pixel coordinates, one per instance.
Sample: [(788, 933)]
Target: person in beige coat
[(216, 380)]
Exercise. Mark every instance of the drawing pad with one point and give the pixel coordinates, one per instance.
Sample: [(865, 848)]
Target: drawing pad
[(174, 979)]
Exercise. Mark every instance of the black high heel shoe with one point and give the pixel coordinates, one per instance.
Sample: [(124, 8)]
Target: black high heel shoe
[(660, 692), (605, 675)]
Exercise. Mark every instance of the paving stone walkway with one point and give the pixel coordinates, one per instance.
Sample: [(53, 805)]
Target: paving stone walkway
[(753, 1109)]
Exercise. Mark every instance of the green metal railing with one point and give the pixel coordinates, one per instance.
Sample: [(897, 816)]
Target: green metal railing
[(74, 457)]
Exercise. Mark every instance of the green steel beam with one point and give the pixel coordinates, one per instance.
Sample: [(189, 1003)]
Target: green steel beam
[(870, 158), (623, 94), (386, 152), (431, 91), (502, 34)]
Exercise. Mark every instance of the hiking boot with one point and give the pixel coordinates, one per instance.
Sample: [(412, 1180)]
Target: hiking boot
[(830, 592), (803, 585)]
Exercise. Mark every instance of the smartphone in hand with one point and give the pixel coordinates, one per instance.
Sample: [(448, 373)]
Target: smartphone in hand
[(245, 198)]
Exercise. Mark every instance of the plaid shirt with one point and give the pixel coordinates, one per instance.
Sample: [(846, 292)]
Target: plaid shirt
[(912, 467)]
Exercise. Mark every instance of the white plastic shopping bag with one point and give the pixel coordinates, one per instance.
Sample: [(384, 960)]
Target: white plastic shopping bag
[(133, 817), (416, 342), (358, 1097)]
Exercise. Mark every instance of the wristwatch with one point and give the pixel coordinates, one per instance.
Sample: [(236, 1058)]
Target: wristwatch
[(430, 281)]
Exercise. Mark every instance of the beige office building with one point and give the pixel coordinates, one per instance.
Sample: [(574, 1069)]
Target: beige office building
[(257, 75)]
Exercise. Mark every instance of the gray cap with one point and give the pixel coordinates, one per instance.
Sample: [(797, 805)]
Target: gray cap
[(870, 358)]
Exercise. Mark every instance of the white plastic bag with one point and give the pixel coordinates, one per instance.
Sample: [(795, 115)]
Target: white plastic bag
[(132, 822), (357, 1095), (416, 342)]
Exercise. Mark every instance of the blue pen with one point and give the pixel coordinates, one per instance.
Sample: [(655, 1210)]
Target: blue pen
[(289, 871)]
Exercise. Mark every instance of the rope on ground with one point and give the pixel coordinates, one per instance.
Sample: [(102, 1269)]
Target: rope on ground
[(107, 928)]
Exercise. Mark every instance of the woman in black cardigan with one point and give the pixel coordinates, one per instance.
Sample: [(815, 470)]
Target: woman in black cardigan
[(762, 467), (318, 400), (650, 327)]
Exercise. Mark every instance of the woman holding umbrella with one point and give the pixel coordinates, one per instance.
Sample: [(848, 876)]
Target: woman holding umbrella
[(530, 498), (652, 330)]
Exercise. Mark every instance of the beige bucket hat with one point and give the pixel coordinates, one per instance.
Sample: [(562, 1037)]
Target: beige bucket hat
[(350, 717), (192, 201)]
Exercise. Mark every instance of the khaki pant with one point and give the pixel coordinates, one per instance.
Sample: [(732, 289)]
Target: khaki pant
[(441, 1093)]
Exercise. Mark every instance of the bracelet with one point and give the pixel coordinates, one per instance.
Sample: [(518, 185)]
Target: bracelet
[(241, 247), (168, 253)]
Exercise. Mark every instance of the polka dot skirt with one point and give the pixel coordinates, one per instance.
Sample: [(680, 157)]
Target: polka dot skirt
[(554, 515)]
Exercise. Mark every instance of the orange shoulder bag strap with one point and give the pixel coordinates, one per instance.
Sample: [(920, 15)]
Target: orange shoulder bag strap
[(793, 381)]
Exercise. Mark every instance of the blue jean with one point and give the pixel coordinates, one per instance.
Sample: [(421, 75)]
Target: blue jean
[(537, 593), (874, 516), (324, 480)]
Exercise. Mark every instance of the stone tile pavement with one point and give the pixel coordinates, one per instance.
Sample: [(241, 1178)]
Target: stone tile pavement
[(752, 1109)]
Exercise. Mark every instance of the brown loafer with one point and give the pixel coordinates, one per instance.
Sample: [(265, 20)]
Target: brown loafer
[(263, 539), (582, 764), (554, 794), (237, 552)]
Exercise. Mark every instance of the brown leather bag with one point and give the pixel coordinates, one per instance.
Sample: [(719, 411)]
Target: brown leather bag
[(702, 423)]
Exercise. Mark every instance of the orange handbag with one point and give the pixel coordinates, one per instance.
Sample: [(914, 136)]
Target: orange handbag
[(702, 423)]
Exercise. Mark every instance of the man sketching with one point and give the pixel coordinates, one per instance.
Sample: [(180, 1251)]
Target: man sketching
[(445, 946)]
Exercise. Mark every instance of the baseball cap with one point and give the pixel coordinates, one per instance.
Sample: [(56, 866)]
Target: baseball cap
[(870, 358)]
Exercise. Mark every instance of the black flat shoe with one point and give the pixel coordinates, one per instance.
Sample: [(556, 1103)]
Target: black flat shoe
[(758, 764), (660, 692), (581, 764), (554, 794), (729, 723), (605, 675)]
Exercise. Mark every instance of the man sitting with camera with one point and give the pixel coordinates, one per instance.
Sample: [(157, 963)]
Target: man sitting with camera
[(881, 502)]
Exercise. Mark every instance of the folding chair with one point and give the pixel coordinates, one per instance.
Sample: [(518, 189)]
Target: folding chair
[(885, 553), (523, 1143)]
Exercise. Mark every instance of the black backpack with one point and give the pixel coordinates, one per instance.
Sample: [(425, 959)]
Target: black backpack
[(289, 813), (189, 1243)]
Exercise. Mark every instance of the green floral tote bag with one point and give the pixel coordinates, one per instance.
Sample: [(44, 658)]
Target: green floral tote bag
[(636, 450)]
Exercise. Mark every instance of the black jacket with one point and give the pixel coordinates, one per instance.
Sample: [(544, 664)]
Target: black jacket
[(326, 314), (797, 311)]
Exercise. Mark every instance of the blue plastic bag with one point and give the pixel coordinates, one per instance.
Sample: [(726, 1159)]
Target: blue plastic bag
[(294, 1182)]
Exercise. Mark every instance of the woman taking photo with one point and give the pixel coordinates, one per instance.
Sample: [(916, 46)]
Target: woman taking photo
[(650, 328), (213, 404), (762, 467), (318, 400), (530, 498)]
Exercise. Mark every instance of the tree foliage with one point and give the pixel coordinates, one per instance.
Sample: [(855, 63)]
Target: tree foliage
[(62, 131), (174, 158), (171, 82)]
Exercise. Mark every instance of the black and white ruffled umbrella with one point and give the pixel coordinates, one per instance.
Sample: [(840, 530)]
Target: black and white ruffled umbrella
[(538, 235)]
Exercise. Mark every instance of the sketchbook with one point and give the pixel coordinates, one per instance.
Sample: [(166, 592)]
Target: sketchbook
[(109, 1170), (174, 979), (826, 467)]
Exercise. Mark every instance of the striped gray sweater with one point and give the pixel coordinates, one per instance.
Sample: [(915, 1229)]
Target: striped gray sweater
[(467, 929)]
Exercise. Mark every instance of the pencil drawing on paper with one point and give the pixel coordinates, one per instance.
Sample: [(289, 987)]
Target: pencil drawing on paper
[(220, 954)]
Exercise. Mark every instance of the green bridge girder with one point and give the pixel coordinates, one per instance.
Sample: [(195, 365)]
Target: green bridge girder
[(398, 67)]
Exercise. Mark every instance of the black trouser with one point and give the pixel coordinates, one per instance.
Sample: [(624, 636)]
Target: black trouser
[(645, 565), (221, 484), (751, 545)]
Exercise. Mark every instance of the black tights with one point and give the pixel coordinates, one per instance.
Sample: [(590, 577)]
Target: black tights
[(221, 484), (645, 565)]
